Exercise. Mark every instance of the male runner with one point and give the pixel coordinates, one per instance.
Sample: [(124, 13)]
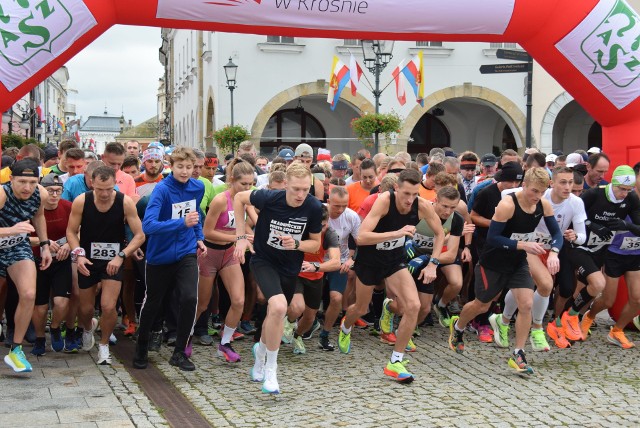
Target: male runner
[(381, 257)]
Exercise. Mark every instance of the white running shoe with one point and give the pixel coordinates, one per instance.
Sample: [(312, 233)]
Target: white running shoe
[(104, 357), (257, 372), (88, 341), (270, 385)]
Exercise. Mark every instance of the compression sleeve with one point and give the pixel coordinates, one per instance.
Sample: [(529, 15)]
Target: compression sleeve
[(581, 232), (554, 230), (495, 238)]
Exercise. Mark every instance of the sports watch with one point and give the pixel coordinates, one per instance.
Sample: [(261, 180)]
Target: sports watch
[(316, 265), (434, 261), (122, 255)]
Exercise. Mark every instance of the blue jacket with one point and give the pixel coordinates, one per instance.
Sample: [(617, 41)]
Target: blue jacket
[(168, 239)]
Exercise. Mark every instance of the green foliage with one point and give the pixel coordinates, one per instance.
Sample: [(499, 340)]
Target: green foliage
[(230, 137), (370, 123), (17, 140)]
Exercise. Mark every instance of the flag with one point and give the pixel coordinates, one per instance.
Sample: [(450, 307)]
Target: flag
[(77, 135), (356, 72), (61, 125), (400, 94), (414, 71), (340, 76)]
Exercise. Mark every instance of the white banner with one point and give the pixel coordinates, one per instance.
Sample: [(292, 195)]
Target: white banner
[(605, 48), (407, 16), (33, 33)]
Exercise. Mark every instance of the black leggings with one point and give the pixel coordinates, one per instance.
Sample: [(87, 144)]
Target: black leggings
[(566, 277), (162, 279)]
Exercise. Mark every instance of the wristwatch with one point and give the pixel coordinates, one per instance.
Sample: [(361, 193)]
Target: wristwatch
[(45, 242), (122, 255), (434, 261), (316, 265), (555, 250), (296, 244)]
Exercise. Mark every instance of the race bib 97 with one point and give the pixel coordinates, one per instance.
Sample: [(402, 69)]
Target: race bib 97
[(12, 241), (391, 244), (104, 250), (630, 243), (181, 209)]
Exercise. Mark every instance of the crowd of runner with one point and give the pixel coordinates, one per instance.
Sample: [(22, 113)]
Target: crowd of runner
[(177, 246)]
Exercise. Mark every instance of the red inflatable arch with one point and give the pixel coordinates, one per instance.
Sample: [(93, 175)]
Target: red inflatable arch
[(589, 46)]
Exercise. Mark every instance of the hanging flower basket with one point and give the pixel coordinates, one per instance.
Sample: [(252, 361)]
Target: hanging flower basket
[(230, 137), (369, 123)]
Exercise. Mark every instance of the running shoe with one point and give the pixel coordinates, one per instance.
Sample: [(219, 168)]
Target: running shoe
[(287, 333), (228, 353), (171, 339), (39, 347), (246, 327), (71, 344), (257, 371), (388, 338), (17, 360), (411, 347), (131, 329), (188, 350), (156, 341), (386, 319), (557, 334), (636, 321), (180, 360), (205, 340), (417, 332), (571, 326), (315, 327), (538, 340), (104, 357), (485, 334), (454, 307), (369, 318), (88, 341), (237, 336), (585, 325), (398, 371), (57, 343), (324, 344), (298, 346), (518, 362), (113, 340), (270, 384), (216, 322), (456, 341), (360, 323), (617, 337), (500, 331), (444, 317), (344, 341)]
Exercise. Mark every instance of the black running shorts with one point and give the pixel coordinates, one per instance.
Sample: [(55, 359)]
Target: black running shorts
[(489, 283)]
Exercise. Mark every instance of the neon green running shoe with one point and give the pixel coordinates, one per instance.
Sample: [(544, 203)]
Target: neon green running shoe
[(344, 342), (17, 360), (386, 319), (398, 371), (636, 321), (411, 347), (500, 331), (538, 340)]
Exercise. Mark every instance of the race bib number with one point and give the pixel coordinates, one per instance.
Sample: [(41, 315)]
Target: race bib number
[(594, 240), (104, 250), (391, 244), (181, 209), (421, 241), (542, 239), (523, 237), (630, 243), (231, 224), (275, 240), (12, 241)]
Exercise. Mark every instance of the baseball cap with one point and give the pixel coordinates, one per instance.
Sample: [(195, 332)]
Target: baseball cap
[(551, 158), (574, 159), (7, 161), (450, 153), (50, 152), (511, 171), (286, 154), (489, 159), (593, 150), (51, 180), (304, 150), (25, 168)]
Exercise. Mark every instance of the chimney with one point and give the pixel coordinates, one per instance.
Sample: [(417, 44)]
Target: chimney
[(129, 122)]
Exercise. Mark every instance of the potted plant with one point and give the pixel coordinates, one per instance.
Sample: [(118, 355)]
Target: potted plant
[(230, 137), (366, 126)]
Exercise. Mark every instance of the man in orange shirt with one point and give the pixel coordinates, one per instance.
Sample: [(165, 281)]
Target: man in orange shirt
[(427, 185), (359, 190)]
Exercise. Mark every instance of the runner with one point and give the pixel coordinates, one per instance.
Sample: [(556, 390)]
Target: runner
[(381, 257), (100, 252), (152, 175), (21, 202), (289, 225), (174, 231), (503, 262)]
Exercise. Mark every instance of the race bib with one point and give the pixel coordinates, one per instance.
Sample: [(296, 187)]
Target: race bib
[(12, 241), (523, 237), (594, 240), (231, 224), (391, 244), (542, 239), (181, 209), (104, 250), (275, 241), (630, 243), (421, 241)]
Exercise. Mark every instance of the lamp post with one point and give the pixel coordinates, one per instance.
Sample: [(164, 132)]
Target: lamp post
[(377, 55), (230, 70)]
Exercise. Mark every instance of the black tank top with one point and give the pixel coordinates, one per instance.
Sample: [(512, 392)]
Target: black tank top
[(98, 230), (517, 227), (391, 251)]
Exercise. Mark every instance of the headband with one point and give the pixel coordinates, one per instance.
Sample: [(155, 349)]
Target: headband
[(340, 165)]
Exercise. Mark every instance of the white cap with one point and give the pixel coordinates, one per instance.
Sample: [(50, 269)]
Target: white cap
[(574, 159), (551, 158), (593, 150)]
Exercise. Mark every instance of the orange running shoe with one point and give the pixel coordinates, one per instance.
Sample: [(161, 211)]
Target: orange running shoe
[(585, 324), (571, 326), (617, 337), (557, 334), (388, 338), (360, 323), (131, 329), (485, 334)]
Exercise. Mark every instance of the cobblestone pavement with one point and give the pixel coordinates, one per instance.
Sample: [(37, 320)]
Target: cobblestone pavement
[(593, 384), (71, 390)]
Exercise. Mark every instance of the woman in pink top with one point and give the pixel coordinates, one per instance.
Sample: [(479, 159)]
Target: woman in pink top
[(219, 237)]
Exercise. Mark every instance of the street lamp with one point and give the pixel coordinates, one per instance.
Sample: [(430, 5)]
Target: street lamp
[(377, 55), (230, 70)]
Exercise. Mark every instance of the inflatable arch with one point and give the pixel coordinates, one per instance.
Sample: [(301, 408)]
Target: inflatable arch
[(589, 46)]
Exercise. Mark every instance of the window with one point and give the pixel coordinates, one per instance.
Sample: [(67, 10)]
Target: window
[(352, 42), (285, 126), (504, 45), (423, 44), (279, 39)]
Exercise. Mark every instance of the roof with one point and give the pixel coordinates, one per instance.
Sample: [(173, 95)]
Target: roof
[(148, 128), (103, 123)]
